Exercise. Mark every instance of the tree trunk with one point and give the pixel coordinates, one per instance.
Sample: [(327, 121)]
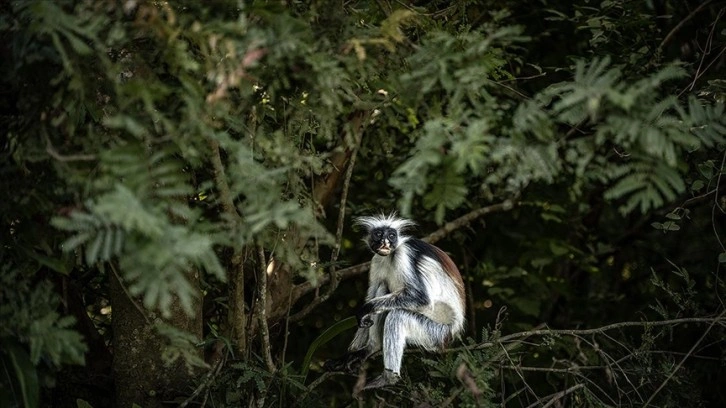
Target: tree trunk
[(139, 372)]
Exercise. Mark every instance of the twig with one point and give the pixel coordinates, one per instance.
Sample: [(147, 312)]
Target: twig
[(287, 327), (66, 158), (555, 397), (683, 360), (261, 310), (680, 24), (465, 220), (208, 378), (519, 373), (706, 51)]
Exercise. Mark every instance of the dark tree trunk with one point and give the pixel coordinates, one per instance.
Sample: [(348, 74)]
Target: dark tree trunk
[(139, 372)]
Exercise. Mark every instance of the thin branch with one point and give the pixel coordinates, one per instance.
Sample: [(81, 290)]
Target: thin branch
[(680, 24), (683, 360), (261, 310), (206, 383), (287, 327), (465, 220), (519, 373), (557, 396), (706, 52), (66, 158)]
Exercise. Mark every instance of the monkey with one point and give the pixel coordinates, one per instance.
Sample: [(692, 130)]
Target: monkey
[(415, 297)]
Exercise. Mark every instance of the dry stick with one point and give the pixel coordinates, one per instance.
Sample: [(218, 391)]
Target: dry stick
[(681, 23), (437, 235), (611, 362), (261, 310), (706, 52), (334, 276), (576, 371), (287, 327), (519, 373), (555, 397), (683, 360), (208, 379), (465, 220), (66, 158)]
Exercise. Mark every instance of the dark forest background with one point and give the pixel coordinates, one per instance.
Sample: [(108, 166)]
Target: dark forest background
[(180, 180)]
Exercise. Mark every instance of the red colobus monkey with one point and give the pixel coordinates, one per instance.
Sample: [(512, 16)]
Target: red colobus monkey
[(415, 297)]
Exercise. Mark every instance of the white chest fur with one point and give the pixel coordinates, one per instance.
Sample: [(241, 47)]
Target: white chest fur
[(391, 269)]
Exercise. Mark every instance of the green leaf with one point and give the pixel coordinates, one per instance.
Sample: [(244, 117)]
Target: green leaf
[(722, 257), (671, 226), (23, 372), (698, 185), (329, 334), (83, 404)]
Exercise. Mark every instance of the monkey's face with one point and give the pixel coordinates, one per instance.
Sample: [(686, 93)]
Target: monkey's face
[(383, 240)]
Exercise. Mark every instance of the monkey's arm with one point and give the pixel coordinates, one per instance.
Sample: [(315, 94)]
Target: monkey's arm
[(362, 336), (411, 297)]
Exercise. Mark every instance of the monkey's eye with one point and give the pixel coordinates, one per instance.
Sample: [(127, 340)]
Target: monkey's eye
[(378, 234), (391, 235)]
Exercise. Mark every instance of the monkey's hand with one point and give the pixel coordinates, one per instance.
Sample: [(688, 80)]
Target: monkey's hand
[(364, 317)]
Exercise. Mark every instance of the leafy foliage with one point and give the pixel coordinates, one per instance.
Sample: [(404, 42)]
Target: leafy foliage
[(30, 313)]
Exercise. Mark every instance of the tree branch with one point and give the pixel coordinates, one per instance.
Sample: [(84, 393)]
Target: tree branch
[(66, 158), (680, 24), (236, 291), (583, 332), (262, 310), (465, 220), (557, 396)]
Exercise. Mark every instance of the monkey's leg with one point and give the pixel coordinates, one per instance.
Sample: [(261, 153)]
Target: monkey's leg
[(367, 341), (403, 327)]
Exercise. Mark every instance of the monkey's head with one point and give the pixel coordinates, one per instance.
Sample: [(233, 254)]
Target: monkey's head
[(385, 233)]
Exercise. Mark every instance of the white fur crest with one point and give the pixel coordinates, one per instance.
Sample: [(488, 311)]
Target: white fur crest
[(382, 220)]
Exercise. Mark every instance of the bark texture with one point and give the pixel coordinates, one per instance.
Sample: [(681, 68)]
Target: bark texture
[(141, 376)]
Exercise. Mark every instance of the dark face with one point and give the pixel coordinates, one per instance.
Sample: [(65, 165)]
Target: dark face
[(383, 240)]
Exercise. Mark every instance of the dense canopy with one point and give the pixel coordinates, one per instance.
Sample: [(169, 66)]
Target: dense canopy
[(180, 181)]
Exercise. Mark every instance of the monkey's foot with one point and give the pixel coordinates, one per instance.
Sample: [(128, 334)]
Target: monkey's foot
[(387, 378)]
